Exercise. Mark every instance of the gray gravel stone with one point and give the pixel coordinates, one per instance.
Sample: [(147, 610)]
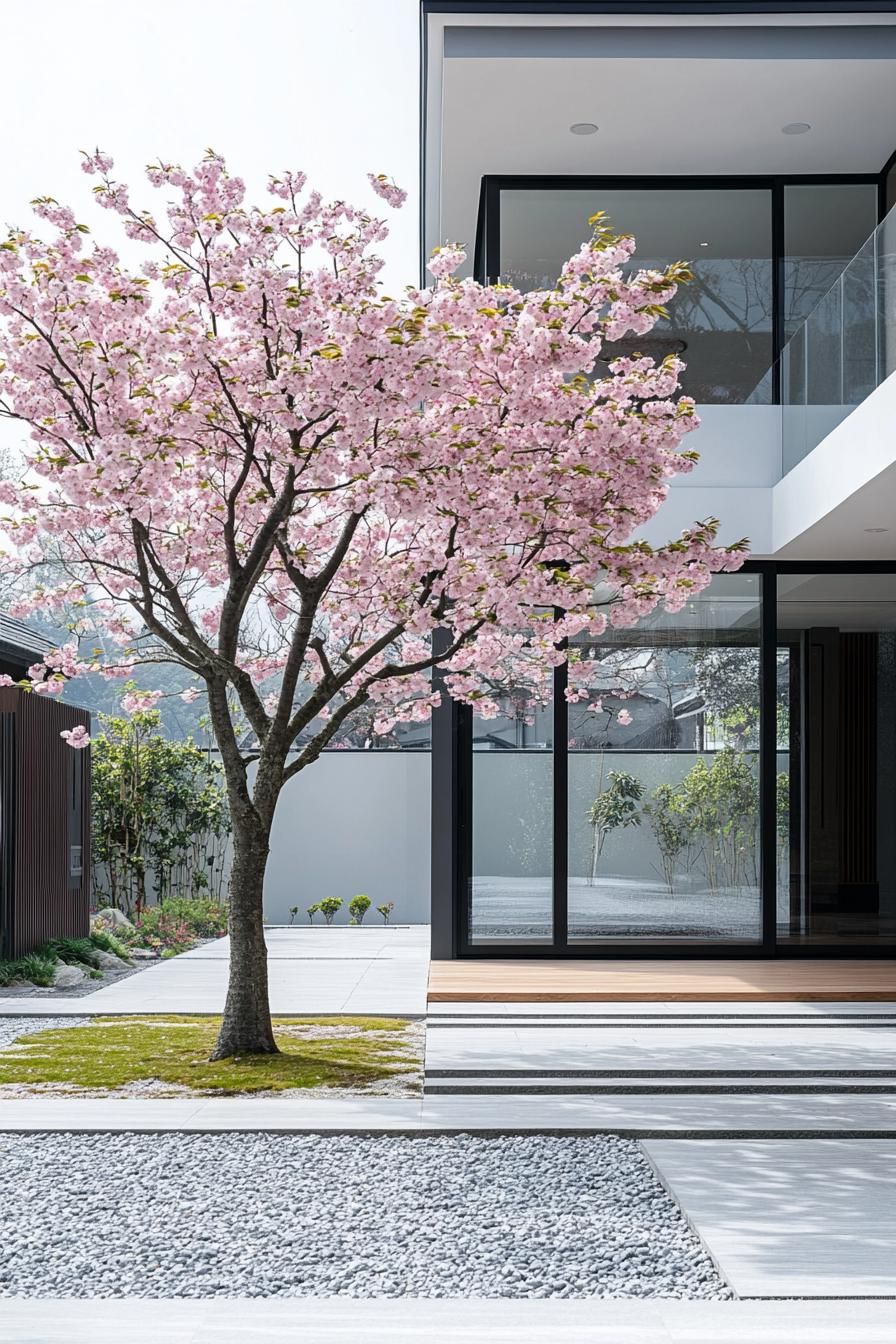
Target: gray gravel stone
[(11, 1028), (234, 1215)]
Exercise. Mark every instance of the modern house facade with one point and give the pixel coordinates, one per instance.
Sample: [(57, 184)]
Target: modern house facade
[(749, 806)]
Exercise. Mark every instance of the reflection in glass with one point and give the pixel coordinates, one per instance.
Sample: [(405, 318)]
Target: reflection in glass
[(836, 831), (664, 775), (825, 225), (511, 882), (720, 323)]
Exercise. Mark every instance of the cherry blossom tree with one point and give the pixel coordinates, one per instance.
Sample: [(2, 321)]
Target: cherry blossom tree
[(246, 459)]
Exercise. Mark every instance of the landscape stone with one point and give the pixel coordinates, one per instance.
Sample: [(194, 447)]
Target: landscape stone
[(114, 918), (107, 961), (66, 977)]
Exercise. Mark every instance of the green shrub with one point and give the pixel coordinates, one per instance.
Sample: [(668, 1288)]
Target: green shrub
[(203, 915), (107, 942), (37, 968), (358, 907), (9, 973), (386, 910), (312, 911), (73, 951), (160, 928), (330, 906)]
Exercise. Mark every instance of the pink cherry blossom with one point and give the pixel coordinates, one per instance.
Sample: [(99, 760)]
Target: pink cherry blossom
[(624, 718), (386, 188), (77, 737), (246, 459), (137, 702)]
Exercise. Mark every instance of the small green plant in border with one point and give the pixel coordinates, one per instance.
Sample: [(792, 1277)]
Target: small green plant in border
[(312, 911), (358, 907), (293, 911), (39, 967), (330, 907), (386, 910)]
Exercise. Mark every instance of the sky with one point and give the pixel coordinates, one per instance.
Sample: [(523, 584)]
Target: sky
[(326, 86)]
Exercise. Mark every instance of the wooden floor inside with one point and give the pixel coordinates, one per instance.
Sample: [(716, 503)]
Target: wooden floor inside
[(538, 981)]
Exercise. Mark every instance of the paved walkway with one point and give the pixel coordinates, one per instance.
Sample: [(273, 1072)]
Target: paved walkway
[(639, 1117), (453, 1320), (815, 1218), (312, 970)]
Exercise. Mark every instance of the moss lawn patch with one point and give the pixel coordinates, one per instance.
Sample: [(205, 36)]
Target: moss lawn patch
[(118, 1053)]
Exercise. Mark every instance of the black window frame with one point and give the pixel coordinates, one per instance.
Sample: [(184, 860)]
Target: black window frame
[(487, 249), (452, 766)]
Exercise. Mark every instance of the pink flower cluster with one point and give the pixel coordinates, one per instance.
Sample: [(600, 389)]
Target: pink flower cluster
[(76, 737), (247, 459)]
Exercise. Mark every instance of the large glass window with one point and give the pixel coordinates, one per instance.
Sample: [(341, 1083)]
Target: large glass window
[(720, 323), (836, 799), (825, 225), (510, 890), (664, 775), (655, 819)]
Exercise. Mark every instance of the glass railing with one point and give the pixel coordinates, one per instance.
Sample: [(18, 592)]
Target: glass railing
[(844, 349)]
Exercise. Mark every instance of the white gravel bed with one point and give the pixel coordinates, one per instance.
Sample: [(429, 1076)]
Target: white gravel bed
[(237, 1215), (11, 1028)]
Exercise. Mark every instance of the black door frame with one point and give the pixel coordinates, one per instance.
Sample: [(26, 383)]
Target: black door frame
[(452, 764)]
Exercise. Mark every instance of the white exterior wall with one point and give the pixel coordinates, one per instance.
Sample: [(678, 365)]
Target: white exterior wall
[(740, 461), (354, 821)]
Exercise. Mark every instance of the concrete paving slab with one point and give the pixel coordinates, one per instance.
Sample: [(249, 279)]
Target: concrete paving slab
[(379, 971), (425, 1321), (500, 1049), (814, 1218), (650, 1116)]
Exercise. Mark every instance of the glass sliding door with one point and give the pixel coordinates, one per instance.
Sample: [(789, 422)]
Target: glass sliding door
[(837, 781), (663, 776), (720, 778), (510, 886)]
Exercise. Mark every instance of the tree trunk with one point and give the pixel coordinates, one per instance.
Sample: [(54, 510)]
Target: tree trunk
[(246, 1026)]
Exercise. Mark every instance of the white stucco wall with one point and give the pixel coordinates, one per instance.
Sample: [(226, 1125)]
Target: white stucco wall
[(740, 461), (353, 822)]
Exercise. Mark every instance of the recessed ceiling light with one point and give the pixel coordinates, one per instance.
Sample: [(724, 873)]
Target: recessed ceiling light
[(796, 128), (877, 529), (704, 244), (584, 128)]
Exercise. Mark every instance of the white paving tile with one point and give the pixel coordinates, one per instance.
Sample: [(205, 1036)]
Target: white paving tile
[(811, 1218), (310, 970), (640, 1116), (428, 1321), (502, 1049)]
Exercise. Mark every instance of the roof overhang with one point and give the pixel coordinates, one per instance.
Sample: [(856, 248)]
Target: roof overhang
[(697, 90)]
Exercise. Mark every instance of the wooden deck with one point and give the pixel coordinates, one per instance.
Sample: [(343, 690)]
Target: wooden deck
[(553, 981)]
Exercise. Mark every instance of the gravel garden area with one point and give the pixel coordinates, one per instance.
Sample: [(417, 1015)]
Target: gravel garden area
[(11, 1028), (237, 1215)]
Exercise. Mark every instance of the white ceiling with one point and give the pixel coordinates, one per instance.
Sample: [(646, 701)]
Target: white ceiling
[(511, 115)]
